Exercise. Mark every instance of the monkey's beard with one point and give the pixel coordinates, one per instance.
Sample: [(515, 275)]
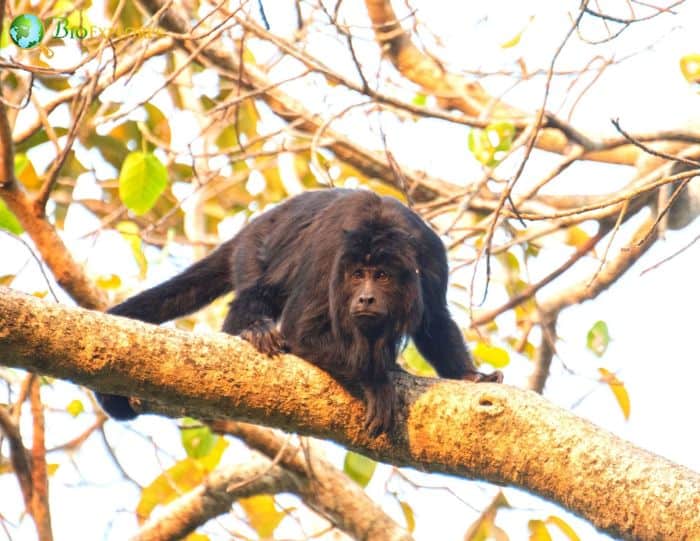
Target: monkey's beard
[(371, 326)]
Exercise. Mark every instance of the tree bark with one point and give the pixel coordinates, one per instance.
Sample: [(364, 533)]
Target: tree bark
[(493, 432)]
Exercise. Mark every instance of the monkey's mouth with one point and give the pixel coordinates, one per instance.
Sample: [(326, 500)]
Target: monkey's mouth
[(367, 314), (368, 322)]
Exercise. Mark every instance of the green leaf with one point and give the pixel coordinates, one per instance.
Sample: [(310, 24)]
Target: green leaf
[(212, 459), (598, 338), (38, 138), (420, 99), (227, 138), (72, 167), (416, 362), (75, 408), (141, 181), (480, 146), (489, 144), (359, 468), (495, 356), (618, 389), (262, 514), (197, 439), (113, 150), (157, 123), (504, 133), (9, 221)]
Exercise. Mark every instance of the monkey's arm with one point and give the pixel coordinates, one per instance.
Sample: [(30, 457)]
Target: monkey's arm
[(253, 316), (440, 341)]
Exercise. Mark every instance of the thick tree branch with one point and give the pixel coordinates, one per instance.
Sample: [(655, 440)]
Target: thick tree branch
[(488, 431), (322, 487), (213, 498), (317, 482), (68, 273)]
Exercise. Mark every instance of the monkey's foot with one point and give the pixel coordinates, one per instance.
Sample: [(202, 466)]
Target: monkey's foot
[(495, 377), (265, 337), (381, 405)]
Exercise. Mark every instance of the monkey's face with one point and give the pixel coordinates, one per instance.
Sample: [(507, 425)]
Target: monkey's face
[(375, 289), (373, 297)]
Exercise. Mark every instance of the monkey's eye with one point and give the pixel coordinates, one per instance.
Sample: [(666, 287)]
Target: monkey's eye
[(381, 276), (357, 274)]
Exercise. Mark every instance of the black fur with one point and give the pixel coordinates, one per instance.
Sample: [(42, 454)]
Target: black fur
[(347, 275)]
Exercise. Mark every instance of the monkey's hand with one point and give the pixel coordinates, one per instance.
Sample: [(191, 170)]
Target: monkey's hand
[(263, 334), (495, 377), (381, 404)]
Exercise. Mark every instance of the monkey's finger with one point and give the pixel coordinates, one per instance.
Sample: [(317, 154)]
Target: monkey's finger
[(494, 377)]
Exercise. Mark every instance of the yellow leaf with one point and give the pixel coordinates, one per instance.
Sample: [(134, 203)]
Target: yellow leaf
[(495, 356), (567, 530), (51, 469), (262, 514), (194, 536), (576, 237), (75, 408), (179, 478), (538, 531), (409, 516), (25, 172), (131, 234), (512, 42), (618, 389), (382, 188), (690, 67), (109, 281)]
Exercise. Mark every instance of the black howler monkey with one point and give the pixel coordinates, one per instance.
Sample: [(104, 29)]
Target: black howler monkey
[(338, 277)]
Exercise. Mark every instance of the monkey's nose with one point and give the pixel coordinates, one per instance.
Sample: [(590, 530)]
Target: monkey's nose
[(366, 300)]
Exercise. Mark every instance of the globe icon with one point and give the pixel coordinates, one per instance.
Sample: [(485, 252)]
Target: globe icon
[(27, 31)]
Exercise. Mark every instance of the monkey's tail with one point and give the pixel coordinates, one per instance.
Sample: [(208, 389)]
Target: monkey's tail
[(183, 294), (192, 289)]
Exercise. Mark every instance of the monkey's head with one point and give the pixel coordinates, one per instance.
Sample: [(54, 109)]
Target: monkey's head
[(375, 287)]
